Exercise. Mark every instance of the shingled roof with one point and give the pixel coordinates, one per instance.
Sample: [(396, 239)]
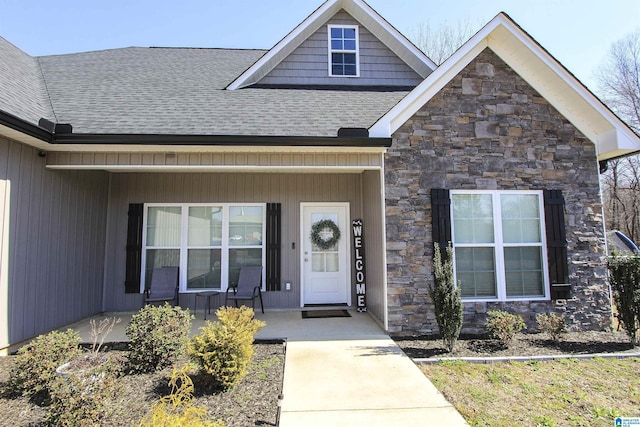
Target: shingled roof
[(22, 90), (174, 91)]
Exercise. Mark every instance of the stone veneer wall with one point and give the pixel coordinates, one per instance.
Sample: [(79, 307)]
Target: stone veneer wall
[(488, 129)]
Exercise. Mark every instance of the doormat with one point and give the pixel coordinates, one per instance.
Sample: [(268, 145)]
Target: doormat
[(323, 314)]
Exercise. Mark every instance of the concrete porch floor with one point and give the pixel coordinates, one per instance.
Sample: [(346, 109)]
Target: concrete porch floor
[(280, 324)]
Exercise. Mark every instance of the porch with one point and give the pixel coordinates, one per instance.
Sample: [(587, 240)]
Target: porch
[(280, 324)]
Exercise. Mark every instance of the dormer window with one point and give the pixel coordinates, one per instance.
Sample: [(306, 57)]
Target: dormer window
[(343, 51)]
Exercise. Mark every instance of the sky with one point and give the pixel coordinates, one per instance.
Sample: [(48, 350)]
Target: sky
[(578, 33)]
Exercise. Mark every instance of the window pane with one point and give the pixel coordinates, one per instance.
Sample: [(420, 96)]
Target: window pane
[(332, 262), (349, 70), (163, 226), (349, 58), (156, 258), (473, 218), (203, 269), (337, 70), (475, 271), (349, 33), (349, 45), (336, 33), (520, 218), (245, 225), (317, 262), (336, 44), (205, 226), (523, 268), (238, 258)]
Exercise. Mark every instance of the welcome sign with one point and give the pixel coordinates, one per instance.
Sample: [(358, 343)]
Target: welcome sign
[(358, 248)]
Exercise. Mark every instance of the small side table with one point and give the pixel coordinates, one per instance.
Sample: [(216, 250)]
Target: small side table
[(207, 295)]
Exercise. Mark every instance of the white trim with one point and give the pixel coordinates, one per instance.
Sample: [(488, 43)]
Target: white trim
[(347, 236), (363, 13), (216, 168), (498, 245), (544, 73), (385, 286), (331, 51), (184, 247)]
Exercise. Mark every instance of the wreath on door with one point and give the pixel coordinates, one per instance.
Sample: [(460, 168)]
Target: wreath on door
[(325, 234)]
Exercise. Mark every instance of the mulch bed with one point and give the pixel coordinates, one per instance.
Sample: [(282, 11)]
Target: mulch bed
[(571, 343), (254, 401)]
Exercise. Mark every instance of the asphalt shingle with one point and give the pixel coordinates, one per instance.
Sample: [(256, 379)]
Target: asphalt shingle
[(176, 91)]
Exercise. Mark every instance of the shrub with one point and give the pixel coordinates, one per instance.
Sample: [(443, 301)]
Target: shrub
[(35, 364), (551, 324), (158, 336), (503, 326), (224, 348), (81, 398), (177, 408), (625, 281), (446, 298)]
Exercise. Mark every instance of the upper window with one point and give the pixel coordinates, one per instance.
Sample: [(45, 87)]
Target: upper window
[(209, 243), (499, 253), (343, 51)]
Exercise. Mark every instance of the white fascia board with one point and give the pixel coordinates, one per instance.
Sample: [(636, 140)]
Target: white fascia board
[(544, 73), (421, 94), (361, 11), (390, 36), (564, 91), (285, 46)]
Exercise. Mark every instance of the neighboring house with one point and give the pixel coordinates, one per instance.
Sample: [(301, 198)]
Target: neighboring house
[(118, 161)]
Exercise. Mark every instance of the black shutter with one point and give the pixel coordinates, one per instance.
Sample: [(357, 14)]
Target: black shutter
[(274, 244), (556, 244), (134, 249), (441, 217)]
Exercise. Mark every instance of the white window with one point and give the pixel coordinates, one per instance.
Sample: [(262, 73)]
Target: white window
[(343, 51), (209, 243), (498, 243)]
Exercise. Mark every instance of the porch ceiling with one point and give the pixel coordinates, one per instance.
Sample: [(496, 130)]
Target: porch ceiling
[(245, 159)]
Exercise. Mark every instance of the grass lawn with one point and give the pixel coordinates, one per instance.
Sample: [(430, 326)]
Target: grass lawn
[(567, 392)]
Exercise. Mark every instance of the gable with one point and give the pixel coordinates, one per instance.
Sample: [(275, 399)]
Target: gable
[(308, 63), (359, 10), (611, 136)]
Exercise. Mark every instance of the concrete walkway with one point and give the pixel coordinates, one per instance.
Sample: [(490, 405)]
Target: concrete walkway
[(343, 372), (348, 372)]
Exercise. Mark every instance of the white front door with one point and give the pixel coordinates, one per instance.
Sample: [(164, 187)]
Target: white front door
[(325, 270)]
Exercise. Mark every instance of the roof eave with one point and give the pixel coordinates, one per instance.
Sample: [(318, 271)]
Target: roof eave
[(611, 136), (219, 140), (24, 127)]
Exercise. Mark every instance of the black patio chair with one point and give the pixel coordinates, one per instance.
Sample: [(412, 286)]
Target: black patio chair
[(249, 287), (164, 286)]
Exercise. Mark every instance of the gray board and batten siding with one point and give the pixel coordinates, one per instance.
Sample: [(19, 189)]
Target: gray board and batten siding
[(308, 64), (52, 241), (288, 189)]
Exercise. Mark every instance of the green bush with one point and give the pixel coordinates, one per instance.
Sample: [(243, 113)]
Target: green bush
[(551, 324), (624, 272), (82, 398), (158, 337), (224, 348), (35, 364), (504, 326), (446, 298)]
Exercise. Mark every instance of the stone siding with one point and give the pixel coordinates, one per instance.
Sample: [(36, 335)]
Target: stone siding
[(487, 129)]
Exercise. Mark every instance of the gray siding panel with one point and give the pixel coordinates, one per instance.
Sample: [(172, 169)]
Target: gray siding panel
[(288, 189), (308, 64), (56, 243)]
